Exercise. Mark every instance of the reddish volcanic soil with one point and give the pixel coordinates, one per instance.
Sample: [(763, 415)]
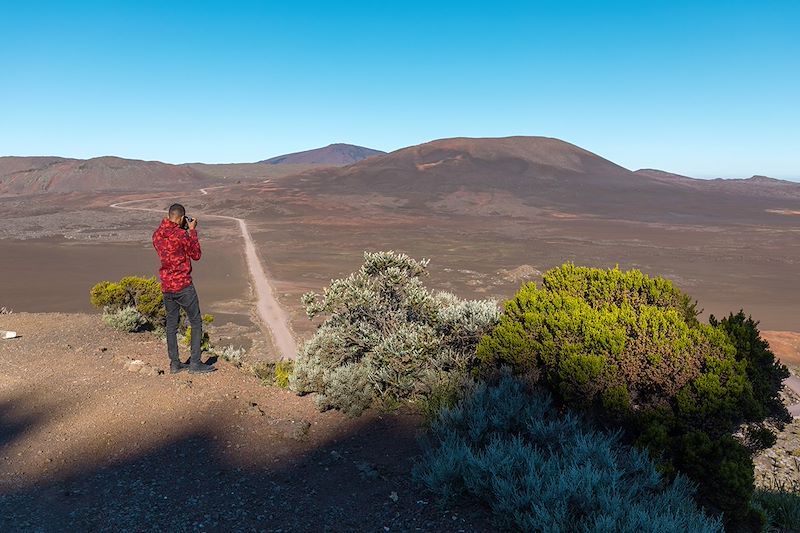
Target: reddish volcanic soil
[(785, 344)]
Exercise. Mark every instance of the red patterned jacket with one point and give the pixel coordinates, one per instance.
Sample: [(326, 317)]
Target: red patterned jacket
[(175, 248)]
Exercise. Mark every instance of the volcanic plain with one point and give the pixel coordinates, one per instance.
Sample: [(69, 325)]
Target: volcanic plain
[(490, 214)]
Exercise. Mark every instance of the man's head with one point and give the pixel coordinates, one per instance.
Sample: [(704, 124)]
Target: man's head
[(176, 213)]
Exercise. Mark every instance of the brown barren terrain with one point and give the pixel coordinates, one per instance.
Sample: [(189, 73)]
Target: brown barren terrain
[(478, 208), (91, 442)]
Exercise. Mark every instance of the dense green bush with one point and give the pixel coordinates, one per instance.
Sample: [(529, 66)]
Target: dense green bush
[(509, 448), (765, 375), (629, 350), (145, 296), (387, 338), (127, 319), (131, 291)]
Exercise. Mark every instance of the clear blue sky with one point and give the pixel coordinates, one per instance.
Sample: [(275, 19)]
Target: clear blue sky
[(704, 88)]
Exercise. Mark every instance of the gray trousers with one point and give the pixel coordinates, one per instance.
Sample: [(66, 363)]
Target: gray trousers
[(187, 300)]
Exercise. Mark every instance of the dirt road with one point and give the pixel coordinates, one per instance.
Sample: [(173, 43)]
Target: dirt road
[(272, 315)]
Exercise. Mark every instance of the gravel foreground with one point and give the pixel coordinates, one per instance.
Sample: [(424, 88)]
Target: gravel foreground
[(95, 437)]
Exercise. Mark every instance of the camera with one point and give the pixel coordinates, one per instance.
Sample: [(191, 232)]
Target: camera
[(185, 223)]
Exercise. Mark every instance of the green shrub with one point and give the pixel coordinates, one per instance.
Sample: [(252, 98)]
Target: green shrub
[(764, 373), (147, 295), (444, 394), (283, 370), (127, 319), (607, 338), (205, 340), (629, 350), (142, 293), (273, 374), (109, 295), (387, 338), (509, 448)]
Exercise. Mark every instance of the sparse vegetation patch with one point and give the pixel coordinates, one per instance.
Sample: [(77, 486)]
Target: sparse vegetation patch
[(235, 356), (127, 319), (275, 374)]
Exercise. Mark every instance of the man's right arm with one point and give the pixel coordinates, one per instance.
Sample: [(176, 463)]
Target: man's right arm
[(192, 245)]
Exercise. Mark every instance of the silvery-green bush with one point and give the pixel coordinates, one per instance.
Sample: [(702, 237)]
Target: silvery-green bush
[(386, 337), (233, 355), (538, 470), (127, 319)]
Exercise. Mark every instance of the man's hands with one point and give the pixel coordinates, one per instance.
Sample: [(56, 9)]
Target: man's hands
[(193, 223)]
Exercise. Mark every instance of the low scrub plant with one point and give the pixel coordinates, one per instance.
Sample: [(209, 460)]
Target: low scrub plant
[(263, 371), (273, 373), (235, 356), (387, 339), (205, 340), (781, 505), (282, 372), (629, 351), (127, 319), (131, 291), (510, 448)]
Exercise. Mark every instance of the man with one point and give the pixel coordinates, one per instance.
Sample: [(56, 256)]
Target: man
[(177, 245)]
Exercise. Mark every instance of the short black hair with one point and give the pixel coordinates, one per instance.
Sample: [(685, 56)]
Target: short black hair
[(176, 210)]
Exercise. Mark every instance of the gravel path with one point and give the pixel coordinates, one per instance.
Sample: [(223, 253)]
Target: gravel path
[(269, 310)]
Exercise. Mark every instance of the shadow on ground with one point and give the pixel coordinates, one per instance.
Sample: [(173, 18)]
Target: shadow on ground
[(357, 482), (16, 420)]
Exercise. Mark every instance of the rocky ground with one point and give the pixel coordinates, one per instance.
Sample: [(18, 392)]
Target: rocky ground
[(94, 436), (779, 466)]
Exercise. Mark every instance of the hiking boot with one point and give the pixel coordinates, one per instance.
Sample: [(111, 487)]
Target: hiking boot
[(175, 367), (201, 368)]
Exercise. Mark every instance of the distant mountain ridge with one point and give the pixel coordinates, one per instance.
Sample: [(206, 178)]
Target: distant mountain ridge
[(520, 165), (338, 154), (523, 176), (756, 186), (537, 171), (33, 175)]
